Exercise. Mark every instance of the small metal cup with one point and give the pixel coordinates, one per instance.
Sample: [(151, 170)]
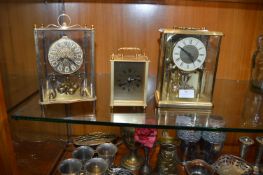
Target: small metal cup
[(107, 151), (96, 166), (83, 153), (70, 167), (197, 167)]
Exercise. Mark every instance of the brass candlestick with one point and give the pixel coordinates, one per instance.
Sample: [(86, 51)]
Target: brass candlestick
[(246, 142), (258, 154), (132, 161)]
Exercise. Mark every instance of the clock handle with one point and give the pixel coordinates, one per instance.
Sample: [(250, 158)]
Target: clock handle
[(130, 51), (61, 19)]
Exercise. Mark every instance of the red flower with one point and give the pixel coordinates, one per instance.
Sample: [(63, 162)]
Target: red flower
[(145, 136)]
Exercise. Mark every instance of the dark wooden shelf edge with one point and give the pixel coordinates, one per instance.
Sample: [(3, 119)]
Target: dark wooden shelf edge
[(160, 2)]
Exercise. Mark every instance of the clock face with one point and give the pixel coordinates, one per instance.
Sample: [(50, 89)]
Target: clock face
[(189, 54), (65, 56), (129, 80)]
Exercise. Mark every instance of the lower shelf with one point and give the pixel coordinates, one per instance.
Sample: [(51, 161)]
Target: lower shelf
[(122, 150), (43, 158), (38, 158)]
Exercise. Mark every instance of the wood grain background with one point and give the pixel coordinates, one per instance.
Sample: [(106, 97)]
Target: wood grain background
[(120, 24), (125, 24)]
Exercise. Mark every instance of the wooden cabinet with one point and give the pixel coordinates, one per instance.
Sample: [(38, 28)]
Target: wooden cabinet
[(118, 23)]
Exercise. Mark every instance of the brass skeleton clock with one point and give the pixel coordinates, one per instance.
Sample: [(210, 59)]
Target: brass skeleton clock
[(187, 67), (129, 77), (65, 62)]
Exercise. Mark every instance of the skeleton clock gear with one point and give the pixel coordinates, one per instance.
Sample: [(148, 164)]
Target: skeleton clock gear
[(129, 76), (65, 62), (187, 67)]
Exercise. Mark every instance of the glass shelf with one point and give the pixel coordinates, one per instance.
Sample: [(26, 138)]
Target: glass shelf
[(229, 97)]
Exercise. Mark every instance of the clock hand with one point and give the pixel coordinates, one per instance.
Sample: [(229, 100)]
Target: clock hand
[(130, 79), (187, 53), (71, 61), (123, 83)]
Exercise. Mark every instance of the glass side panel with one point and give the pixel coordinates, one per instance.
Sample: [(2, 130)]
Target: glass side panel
[(229, 100)]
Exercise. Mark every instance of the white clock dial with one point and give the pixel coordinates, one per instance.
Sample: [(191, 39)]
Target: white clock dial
[(189, 54), (65, 56)]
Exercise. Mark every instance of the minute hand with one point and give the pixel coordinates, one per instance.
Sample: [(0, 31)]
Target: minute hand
[(187, 53)]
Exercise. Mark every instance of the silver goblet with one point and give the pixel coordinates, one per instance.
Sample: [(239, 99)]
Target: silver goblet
[(213, 141), (189, 138)]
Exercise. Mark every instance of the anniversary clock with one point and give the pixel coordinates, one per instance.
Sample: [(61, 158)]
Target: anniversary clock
[(65, 62), (187, 67), (129, 76)]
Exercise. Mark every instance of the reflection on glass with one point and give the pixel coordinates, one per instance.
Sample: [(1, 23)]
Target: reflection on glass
[(138, 118)]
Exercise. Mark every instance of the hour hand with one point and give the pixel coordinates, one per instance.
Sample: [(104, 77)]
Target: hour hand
[(122, 83), (187, 53)]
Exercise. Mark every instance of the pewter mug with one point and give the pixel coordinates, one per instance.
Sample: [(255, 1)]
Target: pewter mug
[(96, 166), (107, 151), (83, 153), (70, 167)]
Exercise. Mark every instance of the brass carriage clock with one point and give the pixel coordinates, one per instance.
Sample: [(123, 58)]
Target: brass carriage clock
[(65, 62), (129, 77), (187, 67)]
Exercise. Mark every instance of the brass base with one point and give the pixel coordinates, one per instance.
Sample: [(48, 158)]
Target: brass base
[(182, 104), (132, 162)]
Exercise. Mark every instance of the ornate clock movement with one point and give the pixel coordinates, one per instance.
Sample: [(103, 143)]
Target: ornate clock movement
[(187, 67)]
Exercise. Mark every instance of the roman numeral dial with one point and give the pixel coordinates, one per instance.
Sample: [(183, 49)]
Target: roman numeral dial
[(189, 54), (65, 56)]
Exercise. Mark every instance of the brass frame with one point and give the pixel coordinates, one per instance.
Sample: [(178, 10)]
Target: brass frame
[(174, 103), (136, 58), (61, 98)]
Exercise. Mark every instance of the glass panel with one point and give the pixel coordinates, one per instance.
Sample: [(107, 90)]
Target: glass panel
[(229, 99)]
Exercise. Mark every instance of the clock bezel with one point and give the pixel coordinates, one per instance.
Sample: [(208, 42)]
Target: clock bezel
[(54, 48), (122, 58), (169, 75), (199, 61)]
